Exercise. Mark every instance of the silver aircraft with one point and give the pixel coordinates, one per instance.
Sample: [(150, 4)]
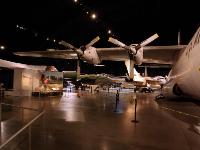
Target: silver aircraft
[(183, 78)]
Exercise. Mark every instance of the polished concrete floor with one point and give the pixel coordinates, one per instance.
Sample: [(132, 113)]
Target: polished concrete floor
[(92, 122)]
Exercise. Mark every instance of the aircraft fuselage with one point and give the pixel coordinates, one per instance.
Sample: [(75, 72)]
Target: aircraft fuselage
[(184, 78)]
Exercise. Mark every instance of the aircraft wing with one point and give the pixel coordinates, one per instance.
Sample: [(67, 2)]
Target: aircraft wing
[(62, 54), (152, 54)]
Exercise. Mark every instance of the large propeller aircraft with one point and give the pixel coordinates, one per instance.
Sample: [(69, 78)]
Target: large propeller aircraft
[(130, 54), (133, 54), (183, 78)]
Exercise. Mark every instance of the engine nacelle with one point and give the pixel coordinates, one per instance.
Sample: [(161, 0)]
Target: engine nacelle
[(138, 58), (90, 55)]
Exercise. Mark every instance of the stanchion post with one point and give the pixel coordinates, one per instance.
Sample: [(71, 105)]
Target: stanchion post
[(29, 132), (135, 115), (117, 100), (0, 106)]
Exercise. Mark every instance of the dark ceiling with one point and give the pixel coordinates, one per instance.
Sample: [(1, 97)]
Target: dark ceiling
[(131, 21)]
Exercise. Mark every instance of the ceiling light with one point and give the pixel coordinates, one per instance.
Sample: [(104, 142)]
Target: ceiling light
[(2, 47), (109, 31), (93, 16)]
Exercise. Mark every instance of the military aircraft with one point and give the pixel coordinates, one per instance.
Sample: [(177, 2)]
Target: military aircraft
[(129, 54), (183, 78)]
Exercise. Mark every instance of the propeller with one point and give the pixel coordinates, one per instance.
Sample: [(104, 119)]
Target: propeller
[(85, 52), (80, 51), (135, 48)]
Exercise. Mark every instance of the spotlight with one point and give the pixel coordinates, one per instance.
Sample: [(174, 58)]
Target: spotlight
[(93, 16), (2, 47)]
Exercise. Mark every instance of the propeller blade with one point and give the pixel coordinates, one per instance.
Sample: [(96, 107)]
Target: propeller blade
[(149, 40), (116, 42), (78, 51), (67, 45), (96, 39)]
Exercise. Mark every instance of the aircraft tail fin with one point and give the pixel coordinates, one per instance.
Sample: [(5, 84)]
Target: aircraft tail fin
[(195, 39)]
